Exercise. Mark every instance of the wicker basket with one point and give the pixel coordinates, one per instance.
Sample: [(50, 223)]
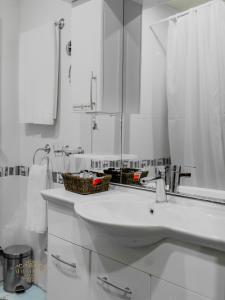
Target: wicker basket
[(128, 175), (84, 186)]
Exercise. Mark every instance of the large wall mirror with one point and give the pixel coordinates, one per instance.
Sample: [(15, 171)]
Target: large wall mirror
[(164, 88), (173, 95)]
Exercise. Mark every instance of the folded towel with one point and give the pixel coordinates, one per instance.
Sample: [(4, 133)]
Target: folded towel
[(38, 75), (36, 206)]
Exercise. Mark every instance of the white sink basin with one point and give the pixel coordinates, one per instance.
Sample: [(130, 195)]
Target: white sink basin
[(138, 221), (124, 215), (129, 221)]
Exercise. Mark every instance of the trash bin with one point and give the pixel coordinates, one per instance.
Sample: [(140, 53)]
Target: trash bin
[(17, 268)]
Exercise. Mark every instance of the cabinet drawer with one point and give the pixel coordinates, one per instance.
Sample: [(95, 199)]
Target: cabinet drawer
[(161, 290), (111, 280), (68, 271), (64, 223)]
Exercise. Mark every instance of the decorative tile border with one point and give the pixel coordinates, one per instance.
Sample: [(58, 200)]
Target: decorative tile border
[(57, 177), (133, 164), (95, 165), (24, 171), (14, 171)]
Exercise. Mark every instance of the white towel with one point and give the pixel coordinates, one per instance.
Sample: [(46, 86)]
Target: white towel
[(38, 75), (36, 206)]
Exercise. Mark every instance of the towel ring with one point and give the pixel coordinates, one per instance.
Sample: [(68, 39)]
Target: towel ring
[(46, 149)]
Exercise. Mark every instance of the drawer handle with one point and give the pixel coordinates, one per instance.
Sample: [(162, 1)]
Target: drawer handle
[(57, 257), (105, 280)]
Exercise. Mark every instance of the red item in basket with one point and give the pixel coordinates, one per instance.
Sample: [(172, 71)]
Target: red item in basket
[(137, 176), (97, 181)]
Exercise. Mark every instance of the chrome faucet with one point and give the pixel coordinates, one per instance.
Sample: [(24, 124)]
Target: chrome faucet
[(160, 186), (168, 178)]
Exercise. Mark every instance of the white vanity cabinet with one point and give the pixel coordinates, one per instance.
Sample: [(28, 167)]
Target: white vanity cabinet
[(161, 290), (81, 274), (170, 270), (87, 41), (97, 44), (77, 273), (111, 280), (68, 270)]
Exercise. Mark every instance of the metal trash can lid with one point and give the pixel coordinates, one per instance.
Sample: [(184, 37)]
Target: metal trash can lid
[(17, 251)]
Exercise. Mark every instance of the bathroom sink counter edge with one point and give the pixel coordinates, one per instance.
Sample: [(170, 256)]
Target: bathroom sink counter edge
[(134, 219)]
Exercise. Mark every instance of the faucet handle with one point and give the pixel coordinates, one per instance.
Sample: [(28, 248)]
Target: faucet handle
[(147, 180), (183, 175)]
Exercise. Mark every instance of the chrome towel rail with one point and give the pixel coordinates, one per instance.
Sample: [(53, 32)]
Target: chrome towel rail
[(46, 149)]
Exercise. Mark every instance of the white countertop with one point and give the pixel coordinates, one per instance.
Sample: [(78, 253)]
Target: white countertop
[(183, 219)]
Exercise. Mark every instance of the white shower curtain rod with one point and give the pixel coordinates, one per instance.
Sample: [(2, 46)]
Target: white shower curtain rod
[(184, 13)]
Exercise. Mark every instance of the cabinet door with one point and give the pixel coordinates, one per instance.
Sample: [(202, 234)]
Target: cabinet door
[(161, 290), (87, 54), (68, 271), (111, 280)]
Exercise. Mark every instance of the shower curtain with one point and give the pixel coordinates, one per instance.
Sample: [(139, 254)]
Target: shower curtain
[(196, 93)]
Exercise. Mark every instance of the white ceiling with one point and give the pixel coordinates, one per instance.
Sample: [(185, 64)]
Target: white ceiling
[(181, 5), (138, 1)]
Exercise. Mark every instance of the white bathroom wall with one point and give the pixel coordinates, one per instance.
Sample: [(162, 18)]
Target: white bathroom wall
[(8, 82), (106, 138), (66, 130), (150, 116), (132, 56), (153, 65), (153, 103), (112, 56), (146, 136), (9, 133)]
